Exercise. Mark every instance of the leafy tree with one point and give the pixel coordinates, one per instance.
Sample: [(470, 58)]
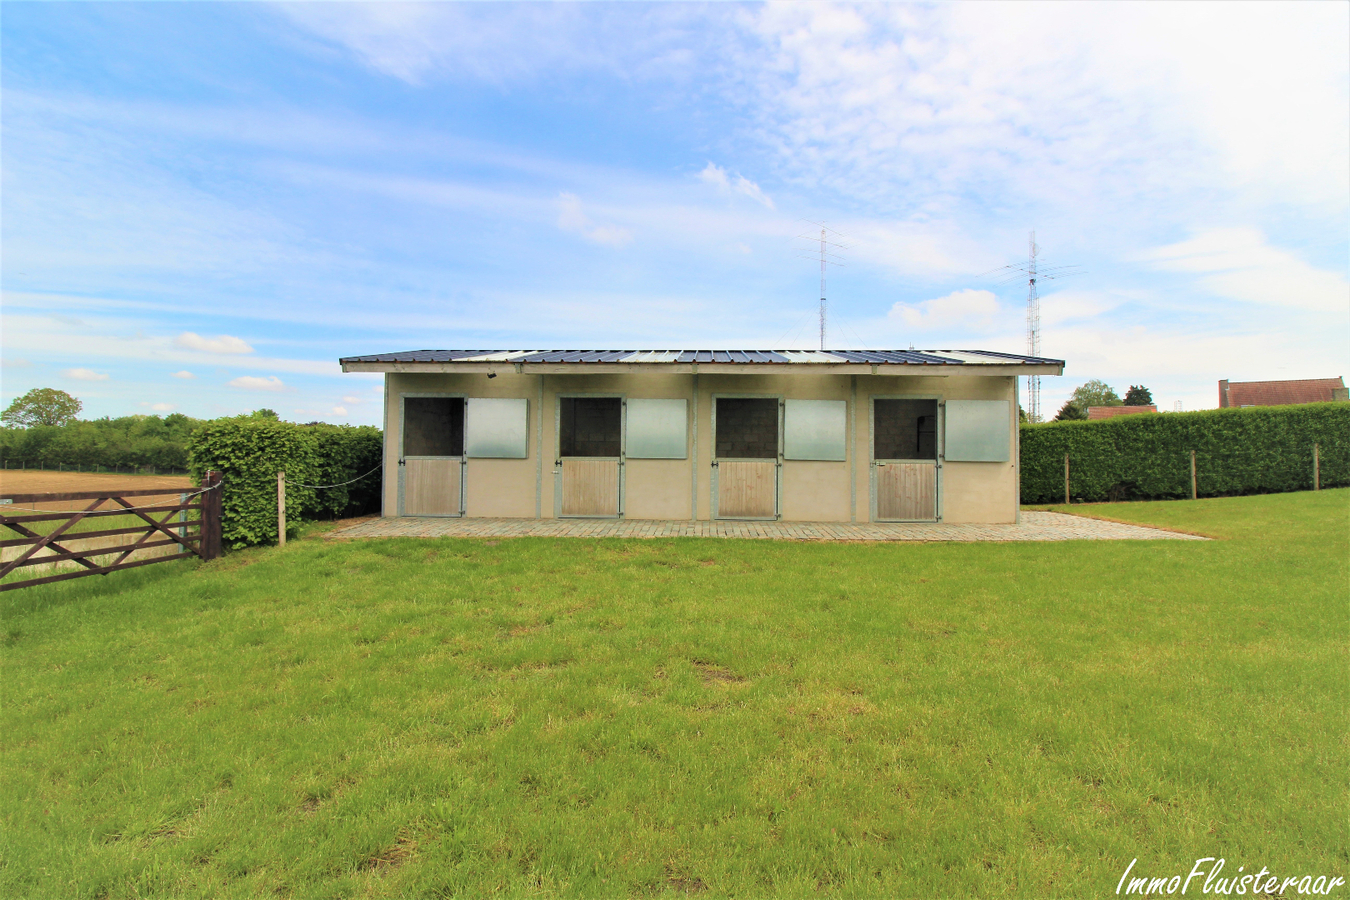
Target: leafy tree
[(1138, 395), (1071, 412), (264, 414), (1095, 393), (42, 406), (1022, 417)]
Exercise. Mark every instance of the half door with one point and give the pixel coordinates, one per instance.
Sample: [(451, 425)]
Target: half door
[(431, 479), (747, 457), (590, 456), (905, 465)]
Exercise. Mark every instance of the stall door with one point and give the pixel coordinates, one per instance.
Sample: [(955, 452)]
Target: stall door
[(905, 460), (432, 461), (747, 460), (590, 456)]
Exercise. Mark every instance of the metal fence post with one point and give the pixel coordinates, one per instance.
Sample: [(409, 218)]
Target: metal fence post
[(281, 509), (1317, 468), (1192, 474), (1066, 479)]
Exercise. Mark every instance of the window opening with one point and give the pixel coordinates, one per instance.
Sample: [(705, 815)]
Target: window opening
[(433, 426), (747, 428), (904, 429), (590, 426)]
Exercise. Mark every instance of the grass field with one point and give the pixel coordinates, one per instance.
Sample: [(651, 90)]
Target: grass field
[(458, 718)]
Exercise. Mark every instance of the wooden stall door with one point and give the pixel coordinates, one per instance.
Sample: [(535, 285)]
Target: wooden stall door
[(590, 487), (907, 491), (747, 489), (431, 487)]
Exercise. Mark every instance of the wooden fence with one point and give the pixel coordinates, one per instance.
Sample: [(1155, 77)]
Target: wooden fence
[(197, 537)]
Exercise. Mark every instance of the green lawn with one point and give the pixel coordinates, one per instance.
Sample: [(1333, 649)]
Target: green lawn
[(539, 717)]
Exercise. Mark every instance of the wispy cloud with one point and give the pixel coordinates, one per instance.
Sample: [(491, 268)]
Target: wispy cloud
[(718, 177), (968, 308), (1238, 263), (184, 374), (256, 383), (573, 219), (221, 343), (85, 375)]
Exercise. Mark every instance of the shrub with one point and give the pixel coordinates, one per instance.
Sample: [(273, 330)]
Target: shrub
[(249, 451), (1261, 450)]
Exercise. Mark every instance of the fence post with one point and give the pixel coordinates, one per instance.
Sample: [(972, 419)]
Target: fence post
[(1317, 468), (209, 535), (1066, 479), (281, 509), (1192, 474)]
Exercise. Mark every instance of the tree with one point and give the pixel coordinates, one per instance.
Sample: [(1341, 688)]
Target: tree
[(1138, 395), (1095, 393), (42, 406), (264, 414), (1071, 412)]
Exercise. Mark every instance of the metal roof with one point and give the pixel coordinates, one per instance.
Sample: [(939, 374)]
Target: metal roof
[(747, 357)]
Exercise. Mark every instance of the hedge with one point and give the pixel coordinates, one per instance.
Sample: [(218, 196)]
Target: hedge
[(249, 452), (127, 442), (1259, 450)]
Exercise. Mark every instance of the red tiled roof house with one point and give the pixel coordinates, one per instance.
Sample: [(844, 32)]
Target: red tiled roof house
[(1280, 393)]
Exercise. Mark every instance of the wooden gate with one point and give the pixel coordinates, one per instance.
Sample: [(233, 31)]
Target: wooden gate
[(906, 491), (747, 489), (590, 487), (167, 520)]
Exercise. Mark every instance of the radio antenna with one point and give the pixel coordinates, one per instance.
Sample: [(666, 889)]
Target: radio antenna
[(827, 256), (1033, 272)]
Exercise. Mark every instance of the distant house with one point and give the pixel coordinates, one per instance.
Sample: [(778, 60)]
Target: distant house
[(1110, 412), (1280, 393)]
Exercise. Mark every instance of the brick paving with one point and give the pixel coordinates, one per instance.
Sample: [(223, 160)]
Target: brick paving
[(1035, 526)]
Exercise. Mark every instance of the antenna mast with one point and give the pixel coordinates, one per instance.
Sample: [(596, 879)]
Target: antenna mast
[(822, 288), (1033, 330), (827, 255), (1034, 273)]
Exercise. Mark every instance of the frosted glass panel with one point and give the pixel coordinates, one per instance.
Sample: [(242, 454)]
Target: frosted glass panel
[(978, 430), (815, 429), (497, 428), (657, 428)]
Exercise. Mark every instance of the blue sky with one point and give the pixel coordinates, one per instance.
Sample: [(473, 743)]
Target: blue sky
[(205, 205)]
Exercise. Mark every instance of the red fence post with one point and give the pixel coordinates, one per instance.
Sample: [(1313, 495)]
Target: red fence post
[(211, 509)]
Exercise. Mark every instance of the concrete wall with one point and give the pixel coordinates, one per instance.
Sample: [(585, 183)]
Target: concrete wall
[(681, 489)]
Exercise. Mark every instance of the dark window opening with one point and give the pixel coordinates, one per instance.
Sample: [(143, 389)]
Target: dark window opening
[(747, 428), (433, 426), (904, 429), (590, 426)]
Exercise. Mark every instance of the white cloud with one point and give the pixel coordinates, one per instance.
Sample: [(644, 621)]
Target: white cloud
[(339, 411), (85, 375), (255, 383), (966, 308), (160, 407), (184, 374), (573, 219), (350, 399), (717, 176), (1239, 264), (221, 343), (15, 362)]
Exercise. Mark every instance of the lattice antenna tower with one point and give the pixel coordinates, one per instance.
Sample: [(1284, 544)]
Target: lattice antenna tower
[(827, 252), (1033, 272)]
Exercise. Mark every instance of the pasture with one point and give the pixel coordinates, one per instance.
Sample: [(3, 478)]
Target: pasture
[(608, 718)]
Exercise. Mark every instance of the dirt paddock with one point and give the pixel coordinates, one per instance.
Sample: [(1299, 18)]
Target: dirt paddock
[(39, 482)]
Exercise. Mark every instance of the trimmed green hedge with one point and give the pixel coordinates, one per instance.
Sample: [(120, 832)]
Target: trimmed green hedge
[(1259, 450), (249, 452)]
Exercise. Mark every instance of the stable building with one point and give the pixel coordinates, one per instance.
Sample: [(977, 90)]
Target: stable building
[(792, 435)]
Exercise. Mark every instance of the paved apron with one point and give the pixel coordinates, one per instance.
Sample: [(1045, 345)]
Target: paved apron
[(1035, 526)]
